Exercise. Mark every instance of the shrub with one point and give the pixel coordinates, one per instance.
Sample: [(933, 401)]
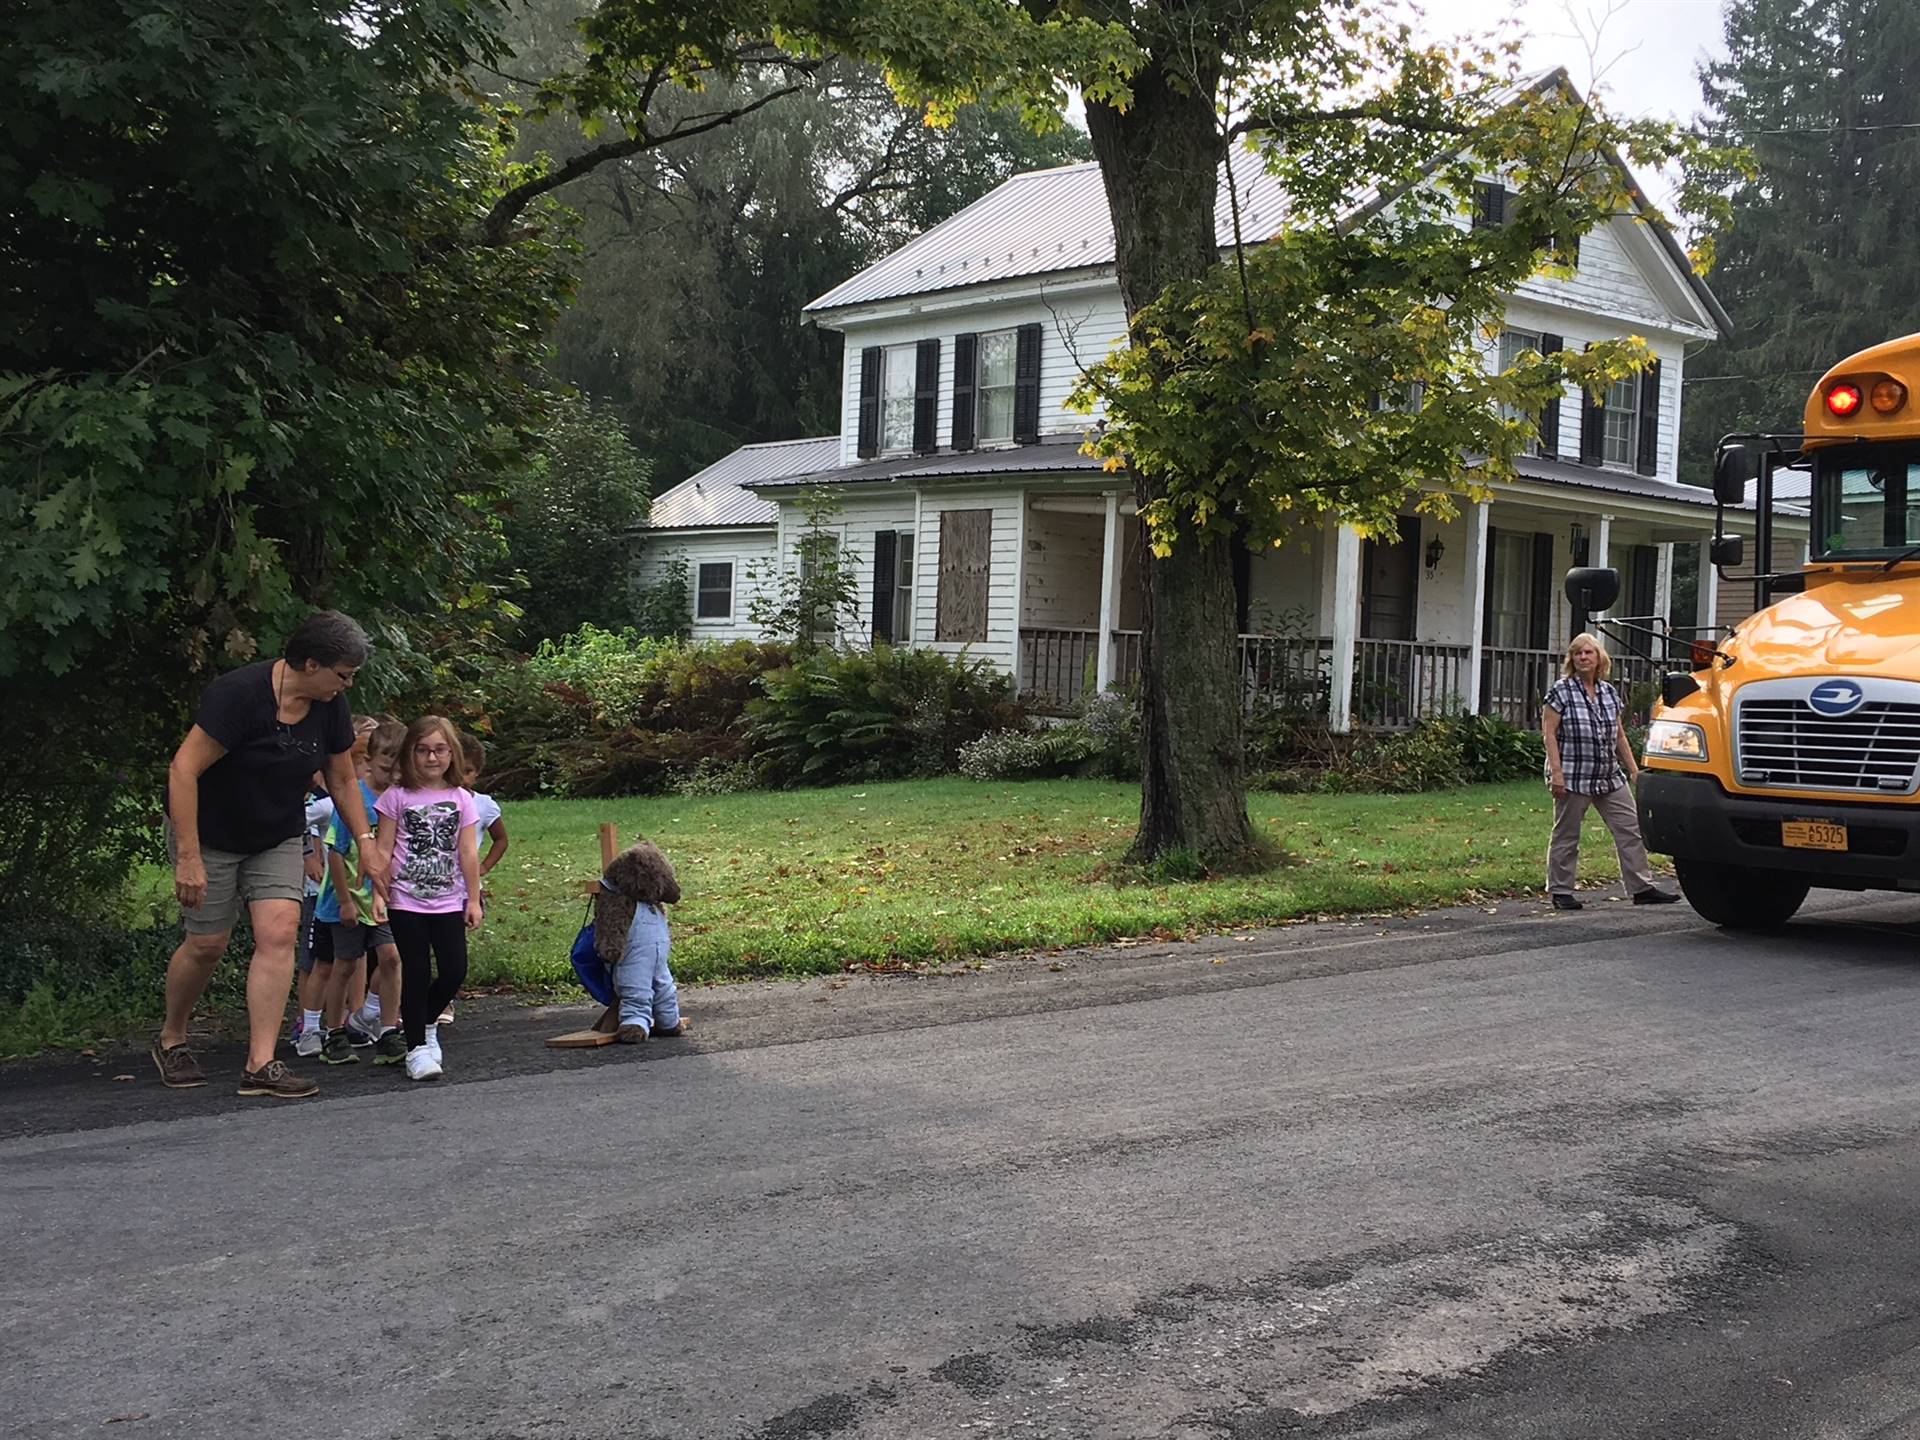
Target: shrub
[(1497, 749), (1111, 720), (663, 610), (609, 667), (875, 714), (65, 984), (1027, 754), (1428, 757)]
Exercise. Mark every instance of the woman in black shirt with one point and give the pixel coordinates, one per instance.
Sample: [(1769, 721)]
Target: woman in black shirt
[(236, 820)]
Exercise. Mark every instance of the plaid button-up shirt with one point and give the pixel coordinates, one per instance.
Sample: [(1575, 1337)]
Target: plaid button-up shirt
[(1588, 727)]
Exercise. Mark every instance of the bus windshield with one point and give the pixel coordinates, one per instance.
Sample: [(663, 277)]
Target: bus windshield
[(1866, 501)]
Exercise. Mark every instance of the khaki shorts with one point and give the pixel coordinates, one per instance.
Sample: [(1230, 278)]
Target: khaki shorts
[(274, 874)]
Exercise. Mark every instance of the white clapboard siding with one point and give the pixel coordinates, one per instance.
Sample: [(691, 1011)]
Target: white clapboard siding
[(1075, 331), (750, 552)]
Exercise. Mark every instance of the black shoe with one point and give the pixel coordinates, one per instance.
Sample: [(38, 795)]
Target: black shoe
[(1567, 902), (337, 1048), (1654, 897)]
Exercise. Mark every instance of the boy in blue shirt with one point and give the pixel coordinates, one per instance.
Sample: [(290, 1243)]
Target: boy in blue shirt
[(358, 923)]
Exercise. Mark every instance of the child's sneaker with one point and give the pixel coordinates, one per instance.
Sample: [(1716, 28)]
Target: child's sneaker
[(310, 1044), (337, 1049), (433, 1043), (359, 1033), (390, 1048), (422, 1064)]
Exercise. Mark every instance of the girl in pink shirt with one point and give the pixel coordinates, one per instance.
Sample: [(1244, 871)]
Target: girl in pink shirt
[(428, 844)]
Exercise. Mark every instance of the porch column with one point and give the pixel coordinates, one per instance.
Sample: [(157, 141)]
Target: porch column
[(1709, 601), (1663, 584), (1109, 595), (1475, 566), (1602, 542), (1346, 625)]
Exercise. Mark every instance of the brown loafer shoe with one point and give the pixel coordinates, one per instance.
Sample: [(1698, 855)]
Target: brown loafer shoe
[(276, 1080), (179, 1070), (631, 1034)]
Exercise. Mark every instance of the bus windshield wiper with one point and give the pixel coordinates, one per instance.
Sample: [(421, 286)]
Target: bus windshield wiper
[(1912, 552)]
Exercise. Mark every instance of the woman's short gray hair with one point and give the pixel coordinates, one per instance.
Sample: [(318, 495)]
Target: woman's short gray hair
[(328, 638)]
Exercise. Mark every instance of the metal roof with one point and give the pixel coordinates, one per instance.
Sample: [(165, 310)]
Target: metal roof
[(1040, 222), (1054, 454), (1044, 222), (714, 496)]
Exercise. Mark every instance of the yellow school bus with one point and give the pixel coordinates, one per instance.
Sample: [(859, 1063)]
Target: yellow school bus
[(1788, 756)]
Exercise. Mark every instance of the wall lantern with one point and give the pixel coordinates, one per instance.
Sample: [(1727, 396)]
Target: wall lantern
[(1436, 552)]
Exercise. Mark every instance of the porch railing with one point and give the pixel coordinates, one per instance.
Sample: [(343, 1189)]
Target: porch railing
[(1395, 682), (1057, 666)]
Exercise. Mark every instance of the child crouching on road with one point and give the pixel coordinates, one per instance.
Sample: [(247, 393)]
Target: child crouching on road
[(630, 932)]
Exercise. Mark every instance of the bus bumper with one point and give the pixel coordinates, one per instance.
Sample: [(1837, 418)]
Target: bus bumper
[(1691, 817)]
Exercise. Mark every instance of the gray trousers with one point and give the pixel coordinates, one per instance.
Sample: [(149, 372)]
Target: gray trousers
[(1616, 807)]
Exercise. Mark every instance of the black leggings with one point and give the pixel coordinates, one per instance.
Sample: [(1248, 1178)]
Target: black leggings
[(421, 940)]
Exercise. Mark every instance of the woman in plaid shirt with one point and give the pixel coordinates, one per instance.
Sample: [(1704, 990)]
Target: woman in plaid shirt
[(1590, 762)]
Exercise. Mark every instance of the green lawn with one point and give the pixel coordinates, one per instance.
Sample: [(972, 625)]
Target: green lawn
[(803, 882)]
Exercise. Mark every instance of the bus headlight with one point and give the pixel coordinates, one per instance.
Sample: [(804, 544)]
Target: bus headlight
[(1676, 740)]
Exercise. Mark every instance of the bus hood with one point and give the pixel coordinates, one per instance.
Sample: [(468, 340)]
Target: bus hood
[(1845, 622)]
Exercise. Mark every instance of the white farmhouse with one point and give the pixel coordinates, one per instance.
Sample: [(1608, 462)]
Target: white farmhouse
[(980, 528)]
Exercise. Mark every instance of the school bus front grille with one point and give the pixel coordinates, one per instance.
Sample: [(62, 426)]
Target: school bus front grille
[(1876, 749)]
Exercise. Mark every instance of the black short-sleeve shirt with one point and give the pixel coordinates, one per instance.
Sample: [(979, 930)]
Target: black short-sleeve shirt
[(254, 796)]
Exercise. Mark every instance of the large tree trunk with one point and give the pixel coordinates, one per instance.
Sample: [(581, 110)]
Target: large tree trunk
[(1159, 158)]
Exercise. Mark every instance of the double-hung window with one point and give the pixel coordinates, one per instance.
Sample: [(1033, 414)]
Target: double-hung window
[(903, 588), (713, 590), (994, 388), (1514, 344), (1621, 419), (897, 386)]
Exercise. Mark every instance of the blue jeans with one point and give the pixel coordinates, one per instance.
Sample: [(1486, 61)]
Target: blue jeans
[(647, 993)]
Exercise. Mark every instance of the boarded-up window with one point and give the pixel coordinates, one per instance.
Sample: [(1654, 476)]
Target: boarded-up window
[(966, 545)]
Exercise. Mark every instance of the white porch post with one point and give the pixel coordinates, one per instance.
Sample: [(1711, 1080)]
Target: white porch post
[(1709, 601), (1346, 625), (1476, 581), (1017, 668), (1663, 592), (1109, 595), (1597, 553)]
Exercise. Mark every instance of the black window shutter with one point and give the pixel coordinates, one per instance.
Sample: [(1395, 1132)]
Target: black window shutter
[(869, 441), (966, 361), (926, 396), (1649, 453), (1541, 616), (1593, 428), (1491, 210), (1026, 385), (886, 546), (1550, 417)]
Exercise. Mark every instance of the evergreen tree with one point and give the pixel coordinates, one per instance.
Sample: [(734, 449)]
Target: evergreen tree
[(1818, 259)]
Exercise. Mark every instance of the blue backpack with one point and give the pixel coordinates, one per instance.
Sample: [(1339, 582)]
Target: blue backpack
[(593, 971)]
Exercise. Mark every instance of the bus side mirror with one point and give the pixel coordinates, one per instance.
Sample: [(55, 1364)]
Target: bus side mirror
[(1734, 468), (1727, 551), (1592, 588)]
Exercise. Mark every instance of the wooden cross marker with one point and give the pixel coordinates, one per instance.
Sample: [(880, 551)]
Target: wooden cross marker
[(602, 1031)]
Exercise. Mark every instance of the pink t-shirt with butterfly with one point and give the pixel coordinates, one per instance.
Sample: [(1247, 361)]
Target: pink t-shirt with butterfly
[(426, 874)]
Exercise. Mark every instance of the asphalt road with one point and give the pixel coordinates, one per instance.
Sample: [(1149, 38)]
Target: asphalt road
[(1474, 1174)]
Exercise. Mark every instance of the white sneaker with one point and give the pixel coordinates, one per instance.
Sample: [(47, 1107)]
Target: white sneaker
[(423, 1064), (309, 1043), (433, 1043)]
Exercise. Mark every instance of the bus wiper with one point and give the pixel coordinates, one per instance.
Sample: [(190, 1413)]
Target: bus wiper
[(1912, 552)]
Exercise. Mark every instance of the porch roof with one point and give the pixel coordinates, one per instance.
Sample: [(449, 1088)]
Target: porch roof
[(1613, 482), (1051, 455)]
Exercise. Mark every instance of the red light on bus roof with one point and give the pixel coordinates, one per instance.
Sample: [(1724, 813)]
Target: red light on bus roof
[(1844, 400)]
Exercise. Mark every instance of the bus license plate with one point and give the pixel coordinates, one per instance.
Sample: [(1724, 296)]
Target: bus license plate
[(1813, 835)]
